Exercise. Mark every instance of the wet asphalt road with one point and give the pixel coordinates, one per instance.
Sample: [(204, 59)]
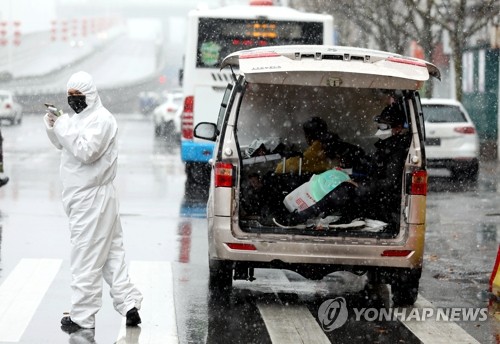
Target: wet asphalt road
[(166, 244)]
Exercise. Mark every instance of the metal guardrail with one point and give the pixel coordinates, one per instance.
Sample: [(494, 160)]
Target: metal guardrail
[(119, 99)]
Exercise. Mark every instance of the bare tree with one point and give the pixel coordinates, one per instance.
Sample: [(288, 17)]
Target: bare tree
[(424, 30), (463, 19), (384, 22), (391, 25)]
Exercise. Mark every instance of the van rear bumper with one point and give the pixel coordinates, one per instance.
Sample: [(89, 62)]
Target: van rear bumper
[(328, 251)]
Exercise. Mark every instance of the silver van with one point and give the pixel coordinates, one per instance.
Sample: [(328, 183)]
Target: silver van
[(259, 136)]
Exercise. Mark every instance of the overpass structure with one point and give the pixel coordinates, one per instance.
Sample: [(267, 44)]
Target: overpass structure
[(122, 62), (135, 8), (83, 27)]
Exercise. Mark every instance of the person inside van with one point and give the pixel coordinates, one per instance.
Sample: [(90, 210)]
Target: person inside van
[(378, 194), (382, 190), (313, 159)]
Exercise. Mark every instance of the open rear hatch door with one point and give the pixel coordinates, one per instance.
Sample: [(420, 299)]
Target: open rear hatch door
[(331, 66)]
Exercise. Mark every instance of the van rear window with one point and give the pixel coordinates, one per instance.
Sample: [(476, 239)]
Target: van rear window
[(278, 111)]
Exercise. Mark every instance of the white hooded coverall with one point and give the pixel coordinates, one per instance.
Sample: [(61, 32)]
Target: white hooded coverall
[(88, 168)]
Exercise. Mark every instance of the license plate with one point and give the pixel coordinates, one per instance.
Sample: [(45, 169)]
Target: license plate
[(433, 142)]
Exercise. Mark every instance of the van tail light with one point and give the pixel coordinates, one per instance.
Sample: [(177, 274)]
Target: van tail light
[(8, 106), (465, 130), (419, 183), (407, 61), (261, 2), (187, 119), (396, 253), (243, 247), (223, 174), (259, 55)]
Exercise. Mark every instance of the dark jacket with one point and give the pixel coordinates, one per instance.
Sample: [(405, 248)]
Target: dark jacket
[(382, 190)]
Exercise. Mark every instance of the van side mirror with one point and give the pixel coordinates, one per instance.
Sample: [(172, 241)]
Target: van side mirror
[(206, 131)]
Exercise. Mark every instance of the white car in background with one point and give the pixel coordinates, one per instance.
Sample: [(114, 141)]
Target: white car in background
[(10, 109), (166, 116), (451, 141)]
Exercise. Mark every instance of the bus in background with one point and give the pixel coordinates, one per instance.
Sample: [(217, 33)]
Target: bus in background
[(211, 35)]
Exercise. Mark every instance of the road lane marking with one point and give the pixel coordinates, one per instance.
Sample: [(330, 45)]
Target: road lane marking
[(155, 282), (21, 294), (291, 324), (436, 332)]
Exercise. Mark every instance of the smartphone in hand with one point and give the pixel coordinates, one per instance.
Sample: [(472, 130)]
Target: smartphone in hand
[(53, 110)]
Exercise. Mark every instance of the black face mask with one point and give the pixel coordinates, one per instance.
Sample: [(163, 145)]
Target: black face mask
[(77, 103)]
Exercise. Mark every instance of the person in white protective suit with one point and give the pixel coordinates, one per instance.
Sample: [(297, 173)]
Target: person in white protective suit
[(88, 167)]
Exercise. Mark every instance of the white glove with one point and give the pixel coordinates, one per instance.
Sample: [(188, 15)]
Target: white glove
[(50, 119)]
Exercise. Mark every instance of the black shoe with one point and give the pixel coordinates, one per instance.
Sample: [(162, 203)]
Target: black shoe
[(4, 181), (68, 326), (291, 219), (133, 318)]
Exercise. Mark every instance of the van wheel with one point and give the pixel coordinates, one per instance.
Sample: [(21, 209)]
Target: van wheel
[(375, 291), (405, 289), (197, 180), (157, 130), (167, 129), (220, 278)]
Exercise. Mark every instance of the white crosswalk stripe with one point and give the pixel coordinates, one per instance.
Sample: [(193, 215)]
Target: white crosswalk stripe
[(291, 324), (22, 292), (287, 323), (154, 280), (432, 331)]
